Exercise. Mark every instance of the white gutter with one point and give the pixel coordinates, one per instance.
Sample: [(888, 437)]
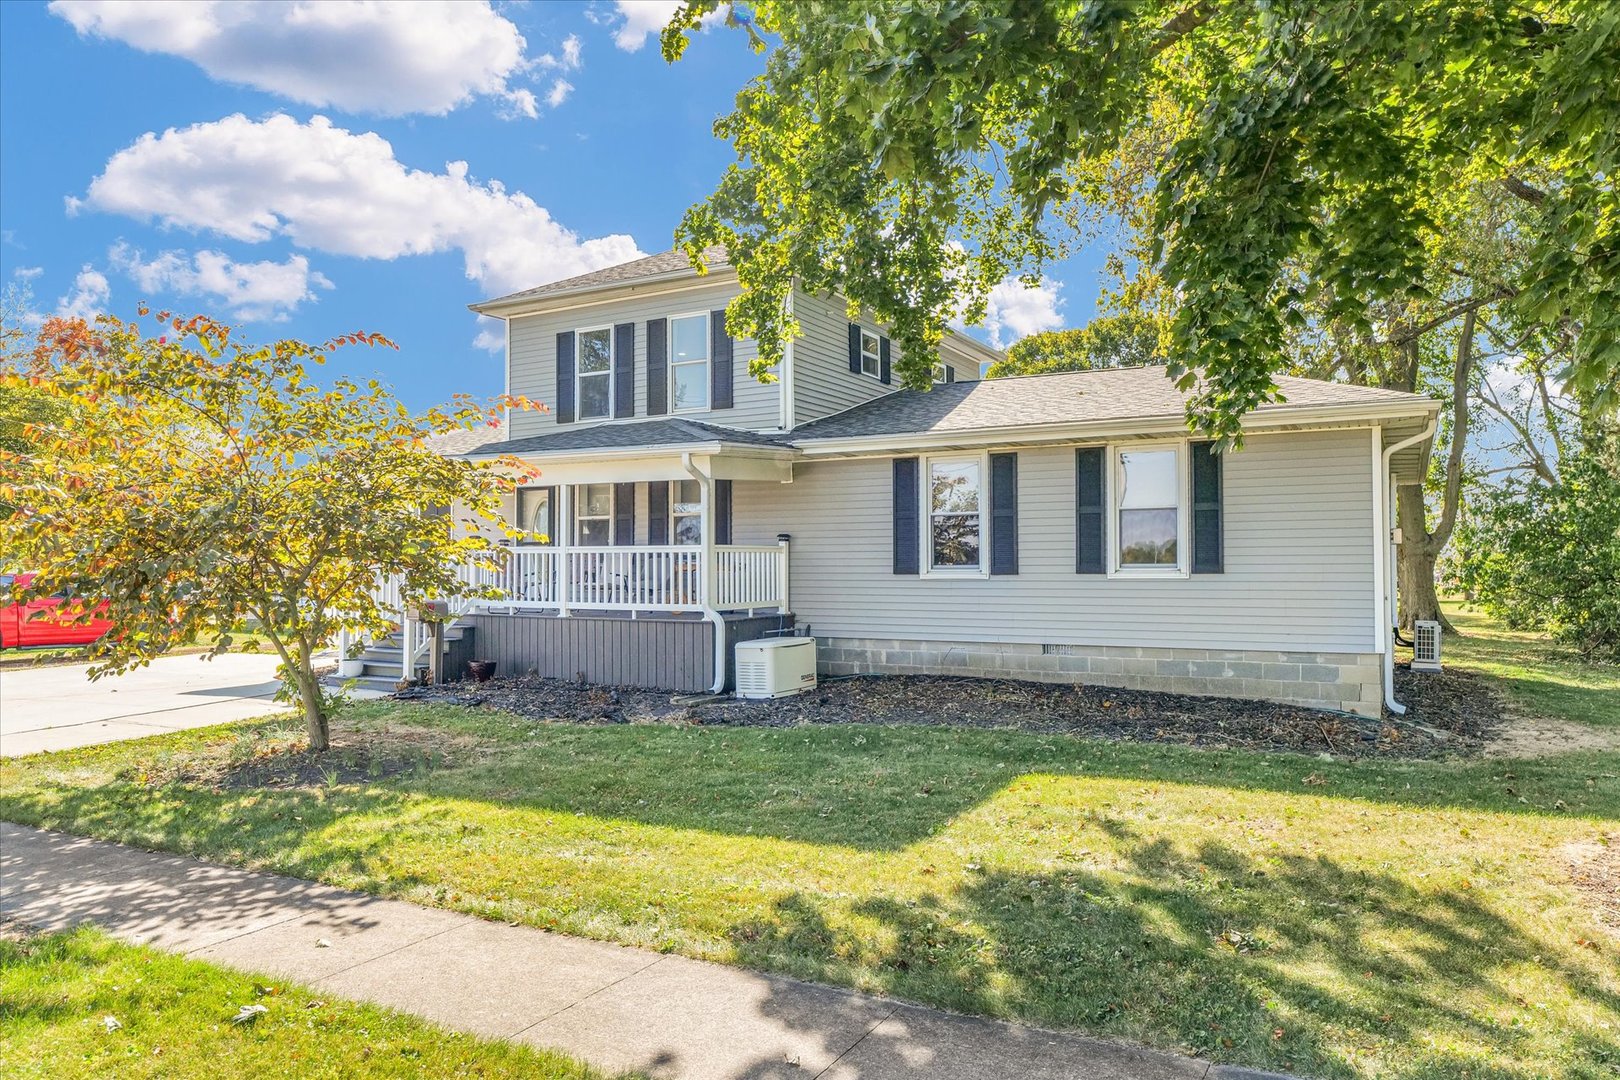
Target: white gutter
[(1386, 545), (1273, 417), (710, 615)]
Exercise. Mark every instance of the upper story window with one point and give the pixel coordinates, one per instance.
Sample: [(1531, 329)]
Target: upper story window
[(954, 502), (593, 521), (689, 363), (871, 355), (1148, 501), (593, 373), (686, 512)]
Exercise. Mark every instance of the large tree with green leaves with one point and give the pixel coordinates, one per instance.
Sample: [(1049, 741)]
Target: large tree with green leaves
[(910, 154), (194, 482)]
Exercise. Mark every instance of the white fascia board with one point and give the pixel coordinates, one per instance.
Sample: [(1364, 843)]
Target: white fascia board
[(610, 292), (1281, 417)]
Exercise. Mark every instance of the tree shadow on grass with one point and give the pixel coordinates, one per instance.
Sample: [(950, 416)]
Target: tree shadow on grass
[(885, 788), (1306, 967)]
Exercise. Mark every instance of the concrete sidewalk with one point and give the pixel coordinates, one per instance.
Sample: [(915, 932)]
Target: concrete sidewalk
[(614, 1007)]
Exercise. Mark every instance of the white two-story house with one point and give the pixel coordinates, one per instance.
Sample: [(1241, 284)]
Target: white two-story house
[(1058, 527)]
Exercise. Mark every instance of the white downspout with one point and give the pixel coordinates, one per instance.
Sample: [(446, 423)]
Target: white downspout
[(784, 385), (1386, 545), (706, 571)]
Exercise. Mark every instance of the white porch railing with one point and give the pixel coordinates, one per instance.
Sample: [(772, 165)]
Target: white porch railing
[(630, 579), (665, 578)]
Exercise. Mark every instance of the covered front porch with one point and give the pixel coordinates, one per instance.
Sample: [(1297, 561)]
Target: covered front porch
[(625, 572)]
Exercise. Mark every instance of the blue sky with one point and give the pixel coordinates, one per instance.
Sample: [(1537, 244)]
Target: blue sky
[(309, 170)]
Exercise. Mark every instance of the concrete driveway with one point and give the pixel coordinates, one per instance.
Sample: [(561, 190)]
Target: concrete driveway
[(57, 708)]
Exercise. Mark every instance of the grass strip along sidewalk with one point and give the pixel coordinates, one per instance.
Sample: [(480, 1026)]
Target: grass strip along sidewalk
[(79, 1004)]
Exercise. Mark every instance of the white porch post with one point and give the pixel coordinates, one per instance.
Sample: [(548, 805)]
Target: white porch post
[(564, 539)]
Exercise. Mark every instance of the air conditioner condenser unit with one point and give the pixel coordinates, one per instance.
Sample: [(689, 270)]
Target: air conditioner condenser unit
[(1425, 645), (776, 667)]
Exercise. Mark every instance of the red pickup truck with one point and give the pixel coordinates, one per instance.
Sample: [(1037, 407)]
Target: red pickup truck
[(38, 622)]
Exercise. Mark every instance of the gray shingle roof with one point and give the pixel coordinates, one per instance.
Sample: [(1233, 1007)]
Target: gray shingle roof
[(451, 443), (665, 262), (650, 433), (1066, 397)]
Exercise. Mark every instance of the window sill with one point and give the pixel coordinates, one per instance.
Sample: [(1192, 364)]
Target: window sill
[(959, 575), (1149, 572)]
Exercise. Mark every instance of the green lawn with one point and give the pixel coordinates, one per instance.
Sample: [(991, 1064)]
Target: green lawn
[(1543, 677), (173, 1019), (1335, 919)]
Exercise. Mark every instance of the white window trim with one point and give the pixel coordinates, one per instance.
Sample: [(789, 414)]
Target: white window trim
[(613, 364), (926, 531), (708, 361), (1183, 567), (578, 505), (877, 357)]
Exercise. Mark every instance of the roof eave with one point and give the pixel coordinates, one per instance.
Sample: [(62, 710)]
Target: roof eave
[(610, 453), (1162, 424), (509, 306)]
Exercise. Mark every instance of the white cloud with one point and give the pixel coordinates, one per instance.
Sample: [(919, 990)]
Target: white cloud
[(252, 291), (28, 273), (1014, 310), (388, 56), (491, 335), (331, 190), (89, 295), (647, 18), (559, 92), (570, 60)]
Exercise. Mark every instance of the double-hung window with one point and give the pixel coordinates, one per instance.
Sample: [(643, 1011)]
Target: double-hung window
[(686, 513), (953, 495), (593, 521), (689, 363), (593, 373), (871, 355), (1149, 519)]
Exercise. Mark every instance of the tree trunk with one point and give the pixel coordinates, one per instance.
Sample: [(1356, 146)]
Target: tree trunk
[(309, 696), (1415, 559)]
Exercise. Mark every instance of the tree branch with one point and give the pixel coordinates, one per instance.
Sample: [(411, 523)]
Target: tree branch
[(1462, 307), (1183, 24), (1518, 188), (1459, 432)]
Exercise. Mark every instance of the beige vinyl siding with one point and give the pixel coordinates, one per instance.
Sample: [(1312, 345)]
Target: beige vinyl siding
[(533, 359), (822, 381), (1298, 531)]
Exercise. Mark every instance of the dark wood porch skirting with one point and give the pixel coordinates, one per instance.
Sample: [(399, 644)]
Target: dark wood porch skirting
[(666, 652)]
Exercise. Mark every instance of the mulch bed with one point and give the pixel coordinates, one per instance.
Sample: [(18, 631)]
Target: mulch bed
[(1449, 713)]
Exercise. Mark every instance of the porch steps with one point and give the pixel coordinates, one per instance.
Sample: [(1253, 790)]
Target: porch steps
[(382, 663)]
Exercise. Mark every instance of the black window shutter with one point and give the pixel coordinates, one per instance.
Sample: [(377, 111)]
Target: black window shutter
[(719, 361), (1004, 513), (658, 512), (624, 369), (1208, 550), (624, 515), (854, 348), (883, 361), (950, 373), (564, 410), (657, 367), (1090, 511), (722, 511), (907, 509)]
